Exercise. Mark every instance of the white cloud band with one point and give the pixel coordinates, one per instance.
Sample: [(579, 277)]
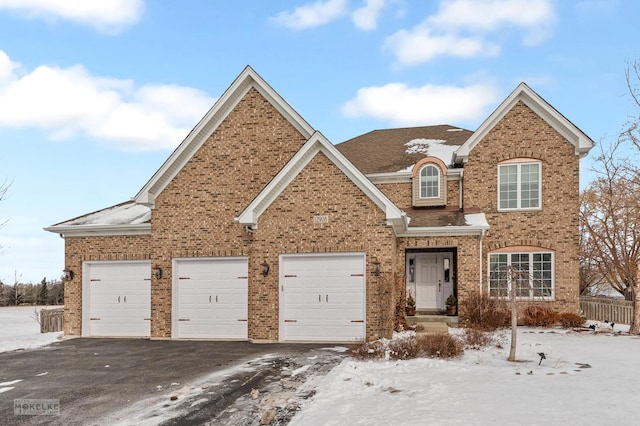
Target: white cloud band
[(66, 102), (419, 106), (104, 15)]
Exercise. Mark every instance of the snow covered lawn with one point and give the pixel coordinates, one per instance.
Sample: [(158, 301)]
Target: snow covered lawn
[(19, 329), (586, 379)]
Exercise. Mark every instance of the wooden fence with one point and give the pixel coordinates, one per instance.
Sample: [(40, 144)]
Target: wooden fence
[(51, 320), (604, 309)]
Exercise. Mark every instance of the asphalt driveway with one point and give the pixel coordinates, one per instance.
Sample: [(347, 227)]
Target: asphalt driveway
[(95, 378)]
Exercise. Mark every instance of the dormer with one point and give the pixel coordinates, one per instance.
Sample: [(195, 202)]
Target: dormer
[(429, 186)]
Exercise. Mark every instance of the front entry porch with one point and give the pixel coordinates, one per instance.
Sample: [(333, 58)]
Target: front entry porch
[(430, 278)]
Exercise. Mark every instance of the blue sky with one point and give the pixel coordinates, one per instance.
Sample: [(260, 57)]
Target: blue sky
[(95, 95)]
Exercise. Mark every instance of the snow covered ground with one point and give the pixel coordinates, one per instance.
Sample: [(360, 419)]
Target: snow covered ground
[(587, 378), (19, 329)]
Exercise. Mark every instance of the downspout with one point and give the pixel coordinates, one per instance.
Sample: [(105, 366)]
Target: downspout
[(460, 189), (481, 237)]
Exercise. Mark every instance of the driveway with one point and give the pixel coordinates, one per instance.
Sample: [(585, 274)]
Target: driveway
[(134, 381)]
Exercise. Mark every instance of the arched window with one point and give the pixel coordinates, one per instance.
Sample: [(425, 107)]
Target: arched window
[(429, 182)]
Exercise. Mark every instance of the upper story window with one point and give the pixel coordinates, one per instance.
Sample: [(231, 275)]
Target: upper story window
[(519, 185), (429, 182), (429, 187)]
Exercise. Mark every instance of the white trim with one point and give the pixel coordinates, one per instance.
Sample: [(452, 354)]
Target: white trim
[(100, 230), (394, 177), (404, 177), (524, 93), (316, 144), (443, 231), (209, 123)]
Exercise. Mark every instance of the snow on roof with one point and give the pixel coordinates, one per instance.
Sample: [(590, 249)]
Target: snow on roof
[(476, 219), (128, 213), (433, 148)]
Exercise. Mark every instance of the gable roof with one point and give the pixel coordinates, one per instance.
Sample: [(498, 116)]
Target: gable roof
[(394, 150), (126, 218), (526, 95), (247, 80), (315, 144)]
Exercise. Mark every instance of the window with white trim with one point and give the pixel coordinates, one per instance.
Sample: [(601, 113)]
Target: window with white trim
[(519, 186), (531, 272), (429, 182)]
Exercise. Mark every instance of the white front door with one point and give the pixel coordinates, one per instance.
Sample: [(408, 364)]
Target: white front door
[(429, 281)]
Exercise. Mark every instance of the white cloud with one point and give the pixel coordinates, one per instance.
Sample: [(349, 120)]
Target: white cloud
[(104, 15), (312, 15), (66, 102), (425, 105), (489, 15), (366, 17), (461, 28), (420, 45)]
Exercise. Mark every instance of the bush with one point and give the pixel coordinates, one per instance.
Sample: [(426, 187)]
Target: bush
[(409, 346), (570, 320), (439, 346), (486, 313), (403, 348), (474, 338), (368, 350), (539, 316)]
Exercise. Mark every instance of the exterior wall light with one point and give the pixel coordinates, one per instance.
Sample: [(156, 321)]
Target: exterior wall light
[(68, 274), (157, 271), (376, 266), (265, 268)]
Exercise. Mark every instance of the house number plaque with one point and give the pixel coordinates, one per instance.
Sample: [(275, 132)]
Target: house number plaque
[(321, 219)]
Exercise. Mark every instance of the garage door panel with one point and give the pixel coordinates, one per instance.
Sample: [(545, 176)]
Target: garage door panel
[(321, 296), (212, 294), (119, 299)]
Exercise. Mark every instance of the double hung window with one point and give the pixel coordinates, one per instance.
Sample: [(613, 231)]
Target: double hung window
[(519, 186)]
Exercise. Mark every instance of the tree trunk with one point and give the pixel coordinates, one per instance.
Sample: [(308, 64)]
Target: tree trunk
[(635, 319), (514, 323)]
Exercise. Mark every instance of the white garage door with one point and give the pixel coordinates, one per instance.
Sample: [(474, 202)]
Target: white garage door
[(117, 299), (210, 298), (322, 297)]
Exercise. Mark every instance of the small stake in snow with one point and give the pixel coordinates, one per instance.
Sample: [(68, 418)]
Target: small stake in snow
[(542, 356)]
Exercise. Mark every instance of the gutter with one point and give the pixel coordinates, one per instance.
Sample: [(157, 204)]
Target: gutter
[(444, 231), (100, 230), (481, 259)]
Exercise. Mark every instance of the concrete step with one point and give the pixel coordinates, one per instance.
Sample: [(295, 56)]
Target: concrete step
[(451, 321), (423, 328)]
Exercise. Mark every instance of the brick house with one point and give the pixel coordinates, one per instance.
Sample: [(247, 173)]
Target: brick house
[(257, 227)]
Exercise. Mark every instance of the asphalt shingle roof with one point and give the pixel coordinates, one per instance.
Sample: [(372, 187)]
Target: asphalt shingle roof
[(385, 151)]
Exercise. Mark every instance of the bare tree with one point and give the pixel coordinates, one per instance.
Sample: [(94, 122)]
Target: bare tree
[(591, 279), (631, 132), (514, 282), (3, 191), (610, 219)]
